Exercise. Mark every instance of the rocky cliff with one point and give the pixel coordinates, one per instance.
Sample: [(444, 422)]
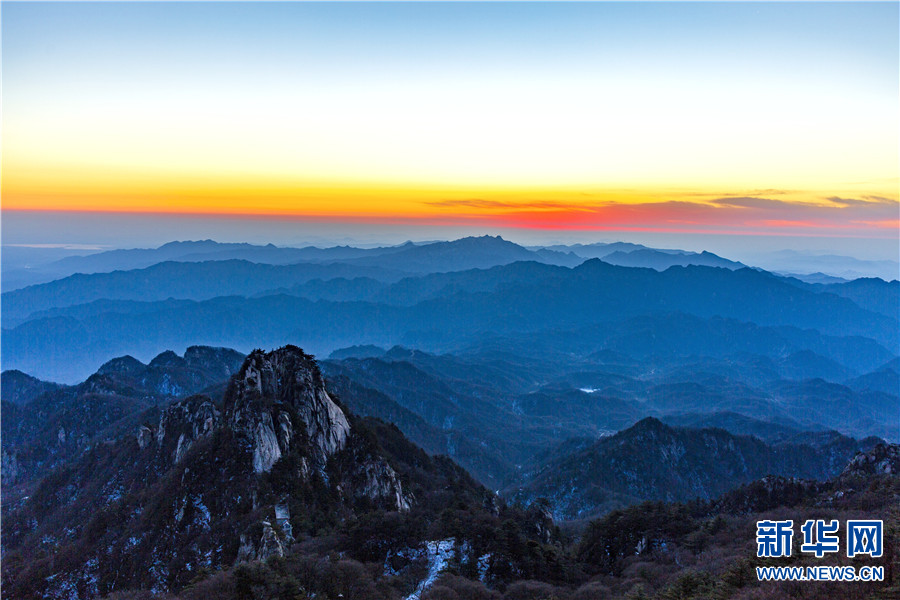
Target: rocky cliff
[(204, 486), (45, 425), (277, 393)]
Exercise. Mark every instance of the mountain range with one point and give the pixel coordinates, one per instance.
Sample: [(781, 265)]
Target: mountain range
[(485, 420), (173, 305), (653, 461), (258, 480)]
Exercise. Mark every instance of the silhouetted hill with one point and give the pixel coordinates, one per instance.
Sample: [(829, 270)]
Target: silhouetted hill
[(597, 250), (886, 379), (187, 251), (652, 461), (846, 267), (820, 401), (870, 293), (661, 260), (181, 280), (367, 351), (20, 388), (224, 276), (463, 254), (735, 423), (435, 312)]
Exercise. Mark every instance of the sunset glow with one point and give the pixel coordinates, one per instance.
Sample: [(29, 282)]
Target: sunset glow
[(742, 118)]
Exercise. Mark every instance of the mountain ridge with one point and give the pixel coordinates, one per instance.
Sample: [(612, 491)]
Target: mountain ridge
[(654, 461)]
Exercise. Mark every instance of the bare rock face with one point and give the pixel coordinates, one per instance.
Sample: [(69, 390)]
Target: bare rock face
[(144, 436), (279, 397), (266, 447), (541, 519), (224, 483), (9, 467), (181, 424), (883, 459), (261, 547), (380, 481)]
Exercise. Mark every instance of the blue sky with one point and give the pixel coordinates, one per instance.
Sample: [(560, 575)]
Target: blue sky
[(379, 111)]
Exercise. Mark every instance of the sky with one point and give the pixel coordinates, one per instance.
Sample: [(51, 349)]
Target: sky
[(708, 121)]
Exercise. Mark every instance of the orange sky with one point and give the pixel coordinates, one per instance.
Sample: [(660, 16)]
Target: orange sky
[(658, 117)]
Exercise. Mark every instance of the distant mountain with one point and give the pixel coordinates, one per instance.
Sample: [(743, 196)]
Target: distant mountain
[(462, 255), (219, 275), (814, 277), (456, 408), (886, 379), (806, 364), (582, 412), (181, 280), (846, 267), (652, 461), (187, 251), (436, 312), (487, 464), (433, 256), (816, 401), (138, 258), (736, 424), (19, 388), (663, 259), (487, 422), (62, 422), (542, 403), (872, 294), (597, 250), (367, 351)]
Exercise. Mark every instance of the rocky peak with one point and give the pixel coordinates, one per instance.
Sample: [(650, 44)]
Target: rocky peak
[(287, 375), (168, 375), (167, 359), (123, 365), (650, 425), (181, 424), (20, 388), (883, 459), (279, 396)]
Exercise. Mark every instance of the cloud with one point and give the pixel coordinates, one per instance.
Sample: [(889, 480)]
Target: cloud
[(753, 202), (883, 224), (864, 201), (882, 200), (771, 192), (737, 213)]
